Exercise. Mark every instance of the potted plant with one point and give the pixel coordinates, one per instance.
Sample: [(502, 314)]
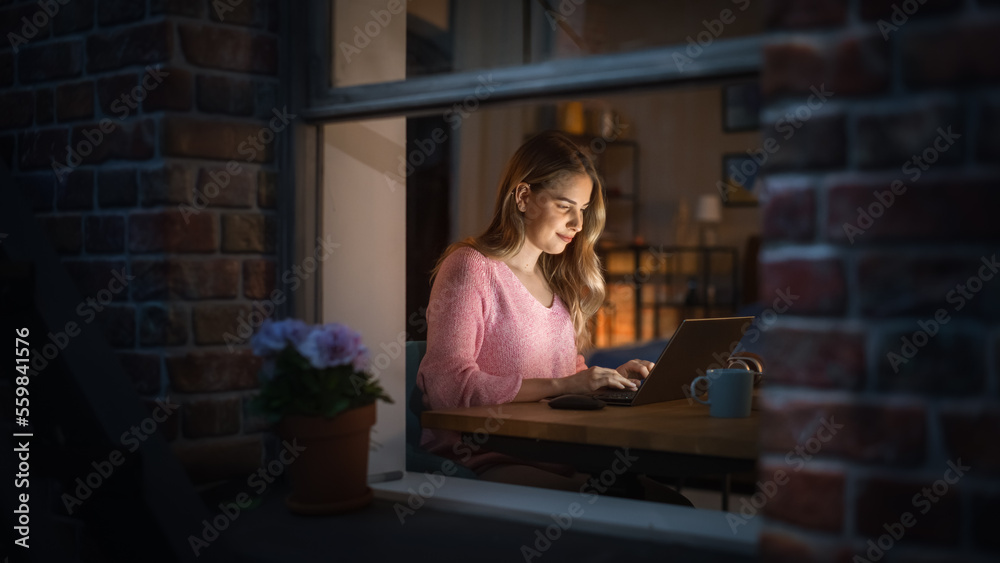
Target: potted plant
[(315, 388)]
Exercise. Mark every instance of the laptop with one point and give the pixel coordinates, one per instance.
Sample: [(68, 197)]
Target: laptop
[(696, 346)]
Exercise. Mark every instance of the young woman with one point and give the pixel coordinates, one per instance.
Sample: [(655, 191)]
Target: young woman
[(508, 310)]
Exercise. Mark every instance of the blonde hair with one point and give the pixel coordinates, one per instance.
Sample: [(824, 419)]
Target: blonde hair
[(543, 162)]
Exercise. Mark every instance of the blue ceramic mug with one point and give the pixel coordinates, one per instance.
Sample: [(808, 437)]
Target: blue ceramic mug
[(730, 392)]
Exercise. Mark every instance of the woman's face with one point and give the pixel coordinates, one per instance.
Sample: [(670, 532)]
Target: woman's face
[(554, 216)]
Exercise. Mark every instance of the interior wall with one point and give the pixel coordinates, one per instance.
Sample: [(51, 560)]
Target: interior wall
[(364, 215), (681, 143)]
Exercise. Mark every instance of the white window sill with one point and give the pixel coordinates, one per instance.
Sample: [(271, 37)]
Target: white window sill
[(625, 518)]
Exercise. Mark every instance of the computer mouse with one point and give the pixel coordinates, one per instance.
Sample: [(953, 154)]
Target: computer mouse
[(577, 402)]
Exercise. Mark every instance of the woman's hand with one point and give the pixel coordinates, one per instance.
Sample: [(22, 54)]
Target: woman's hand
[(594, 378), (636, 369)]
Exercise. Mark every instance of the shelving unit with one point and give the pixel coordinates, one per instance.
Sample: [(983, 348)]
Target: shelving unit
[(652, 288)]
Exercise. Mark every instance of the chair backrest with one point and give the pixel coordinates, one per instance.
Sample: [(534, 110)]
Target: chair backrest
[(415, 350)]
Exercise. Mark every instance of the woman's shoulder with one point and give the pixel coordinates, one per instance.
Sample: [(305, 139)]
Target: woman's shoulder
[(467, 259), (465, 269)]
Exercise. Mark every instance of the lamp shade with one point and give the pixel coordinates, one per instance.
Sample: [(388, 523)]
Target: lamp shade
[(709, 209)]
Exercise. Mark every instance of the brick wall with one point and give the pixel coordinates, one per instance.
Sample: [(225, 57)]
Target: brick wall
[(885, 370), (144, 133)]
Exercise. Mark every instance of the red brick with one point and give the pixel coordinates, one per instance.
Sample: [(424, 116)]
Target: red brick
[(951, 363), (19, 109), (218, 187), (891, 139), (855, 65), (171, 231), (970, 432), (229, 49), (186, 279), (882, 501), (258, 278), (790, 215), (247, 232), (792, 68), (950, 56), (894, 285), (213, 139), (211, 371), (116, 188), (112, 92), (111, 12), (170, 183), (267, 184), (193, 280), (928, 212), (143, 44), (38, 148), (118, 322), (819, 143), (814, 287), (19, 25), (143, 370), (65, 233), (94, 276), (73, 16), (163, 325), (860, 66), (220, 417), (105, 234), (45, 106), (37, 63), (77, 191), (799, 14), (175, 91), (213, 322), (221, 94), (75, 101), (94, 143), (832, 358), (6, 68), (808, 498), (795, 428)]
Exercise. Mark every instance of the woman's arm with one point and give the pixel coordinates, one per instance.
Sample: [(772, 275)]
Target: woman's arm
[(586, 381), (461, 302)]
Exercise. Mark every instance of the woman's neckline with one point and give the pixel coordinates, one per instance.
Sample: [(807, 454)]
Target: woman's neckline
[(555, 296)]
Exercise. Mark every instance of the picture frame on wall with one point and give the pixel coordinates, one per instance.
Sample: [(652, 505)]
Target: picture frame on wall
[(741, 107), (741, 184)]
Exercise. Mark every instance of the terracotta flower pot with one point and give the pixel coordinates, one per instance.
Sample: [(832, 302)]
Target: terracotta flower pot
[(331, 474)]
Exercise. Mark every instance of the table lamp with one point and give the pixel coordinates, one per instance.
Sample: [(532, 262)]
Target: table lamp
[(708, 213)]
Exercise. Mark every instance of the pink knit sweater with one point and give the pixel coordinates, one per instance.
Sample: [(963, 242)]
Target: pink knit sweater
[(485, 333)]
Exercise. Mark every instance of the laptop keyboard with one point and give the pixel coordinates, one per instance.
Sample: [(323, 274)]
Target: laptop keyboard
[(616, 395)]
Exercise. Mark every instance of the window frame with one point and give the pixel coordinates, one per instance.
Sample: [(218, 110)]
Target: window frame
[(306, 80)]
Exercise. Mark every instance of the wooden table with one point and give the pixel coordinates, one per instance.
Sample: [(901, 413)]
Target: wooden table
[(672, 439)]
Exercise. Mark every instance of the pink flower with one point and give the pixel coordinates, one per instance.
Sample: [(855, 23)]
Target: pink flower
[(333, 345)]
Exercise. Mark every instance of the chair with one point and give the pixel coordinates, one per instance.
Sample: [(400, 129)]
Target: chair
[(417, 458)]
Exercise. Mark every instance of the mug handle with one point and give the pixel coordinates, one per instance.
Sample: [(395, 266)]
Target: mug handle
[(695, 396), (743, 361)]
